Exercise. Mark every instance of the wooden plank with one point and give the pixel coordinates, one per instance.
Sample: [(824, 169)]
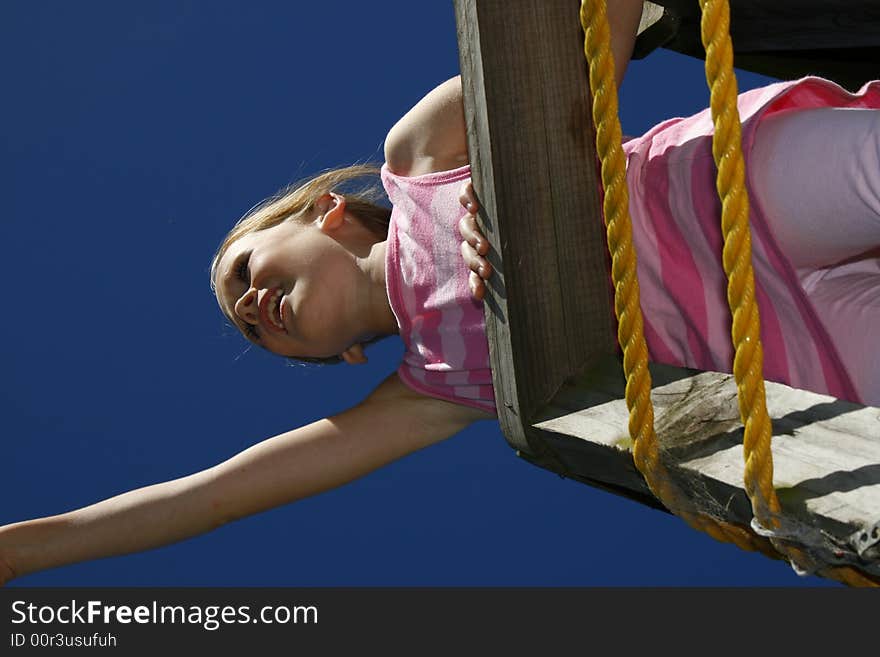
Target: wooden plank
[(781, 25), (657, 27), (787, 39), (533, 164), (826, 452)]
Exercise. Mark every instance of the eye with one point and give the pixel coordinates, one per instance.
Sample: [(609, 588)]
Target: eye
[(241, 269), (250, 332)]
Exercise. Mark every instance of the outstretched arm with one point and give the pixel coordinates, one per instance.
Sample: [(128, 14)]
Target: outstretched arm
[(392, 422)]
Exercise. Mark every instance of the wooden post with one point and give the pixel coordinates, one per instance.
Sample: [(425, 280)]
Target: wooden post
[(533, 164)]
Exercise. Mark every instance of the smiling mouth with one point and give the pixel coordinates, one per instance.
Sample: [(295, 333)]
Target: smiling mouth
[(270, 310)]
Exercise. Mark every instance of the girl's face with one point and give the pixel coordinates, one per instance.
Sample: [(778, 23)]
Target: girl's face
[(297, 289)]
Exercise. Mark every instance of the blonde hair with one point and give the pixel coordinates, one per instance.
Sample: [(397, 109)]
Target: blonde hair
[(296, 202)]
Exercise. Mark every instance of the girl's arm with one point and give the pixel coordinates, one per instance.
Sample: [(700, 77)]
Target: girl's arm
[(392, 422), (623, 23), (432, 135)]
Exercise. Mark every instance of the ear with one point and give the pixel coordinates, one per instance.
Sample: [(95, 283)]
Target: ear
[(331, 208), (354, 355)]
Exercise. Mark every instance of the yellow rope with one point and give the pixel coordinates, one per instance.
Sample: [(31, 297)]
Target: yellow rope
[(737, 259), (646, 452), (748, 358)]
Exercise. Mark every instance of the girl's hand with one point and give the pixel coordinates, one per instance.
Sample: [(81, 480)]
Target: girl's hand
[(475, 246)]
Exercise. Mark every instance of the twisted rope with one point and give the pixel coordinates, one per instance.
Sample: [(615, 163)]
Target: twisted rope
[(646, 452), (737, 261)]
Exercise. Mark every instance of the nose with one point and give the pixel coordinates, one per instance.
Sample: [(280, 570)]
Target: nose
[(246, 308)]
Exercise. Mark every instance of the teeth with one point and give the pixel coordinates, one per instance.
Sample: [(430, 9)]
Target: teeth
[(275, 309)]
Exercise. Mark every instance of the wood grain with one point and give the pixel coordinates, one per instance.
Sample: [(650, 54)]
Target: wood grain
[(534, 170)]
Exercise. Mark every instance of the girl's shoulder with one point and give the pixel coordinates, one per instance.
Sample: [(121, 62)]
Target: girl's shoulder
[(430, 137)]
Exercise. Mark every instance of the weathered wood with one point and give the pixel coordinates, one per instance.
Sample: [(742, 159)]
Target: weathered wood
[(533, 164), (651, 15), (657, 27), (826, 452), (780, 25), (836, 39)]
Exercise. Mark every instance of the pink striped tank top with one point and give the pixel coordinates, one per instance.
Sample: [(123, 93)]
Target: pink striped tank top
[(442, 326)]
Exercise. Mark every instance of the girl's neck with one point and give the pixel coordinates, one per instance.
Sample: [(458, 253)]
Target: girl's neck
[(380, 318)]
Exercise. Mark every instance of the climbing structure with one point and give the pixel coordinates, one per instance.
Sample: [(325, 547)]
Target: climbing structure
[(559, 387)]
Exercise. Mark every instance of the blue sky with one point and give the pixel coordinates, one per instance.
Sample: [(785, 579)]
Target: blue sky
[(134, 135)]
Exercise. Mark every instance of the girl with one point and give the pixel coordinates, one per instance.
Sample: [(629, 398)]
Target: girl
[(311, 275)]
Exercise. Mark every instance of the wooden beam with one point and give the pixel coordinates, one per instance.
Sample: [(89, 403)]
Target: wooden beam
[(657, 27), (787, 39), (533, 163), (782, 25)]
